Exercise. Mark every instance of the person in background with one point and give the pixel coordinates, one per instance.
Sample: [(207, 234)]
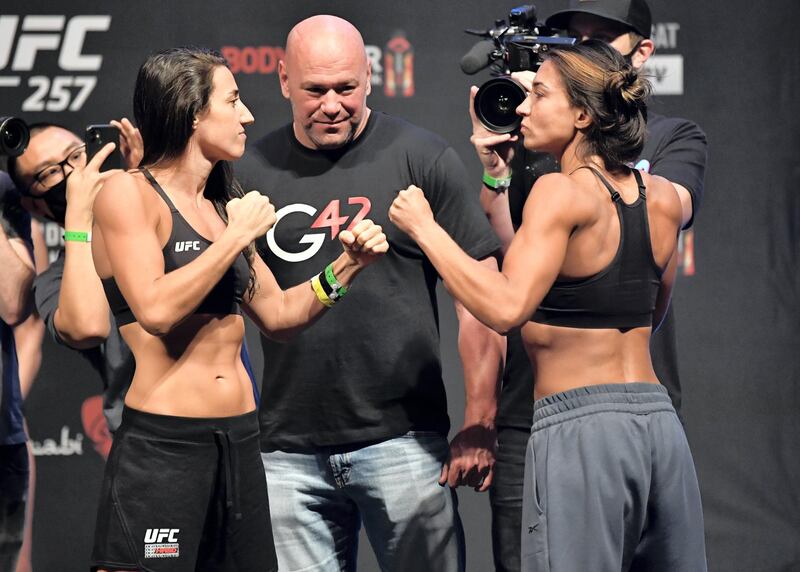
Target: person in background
[(355, 430), (16, 259)]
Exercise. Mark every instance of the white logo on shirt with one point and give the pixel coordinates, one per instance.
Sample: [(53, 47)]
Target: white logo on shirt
[(186, 245)]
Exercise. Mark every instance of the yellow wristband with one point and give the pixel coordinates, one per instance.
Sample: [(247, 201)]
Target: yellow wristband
[(321, 295)]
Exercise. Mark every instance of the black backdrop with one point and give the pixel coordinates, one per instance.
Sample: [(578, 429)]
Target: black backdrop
[(733, 66)]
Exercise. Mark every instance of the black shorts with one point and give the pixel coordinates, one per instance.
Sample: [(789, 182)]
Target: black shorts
[(184, 494)]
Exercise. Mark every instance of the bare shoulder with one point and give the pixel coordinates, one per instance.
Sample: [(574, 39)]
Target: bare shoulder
[(558, 188), (567, 196), (663, 198), (124, 196)]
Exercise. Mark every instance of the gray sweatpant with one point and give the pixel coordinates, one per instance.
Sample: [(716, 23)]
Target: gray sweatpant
[(610, 484)]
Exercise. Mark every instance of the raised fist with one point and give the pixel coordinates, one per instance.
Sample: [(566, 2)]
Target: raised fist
[(365, 242)]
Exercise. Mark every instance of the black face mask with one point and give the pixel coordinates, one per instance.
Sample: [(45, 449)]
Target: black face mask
[(56, 201), (629, 56)]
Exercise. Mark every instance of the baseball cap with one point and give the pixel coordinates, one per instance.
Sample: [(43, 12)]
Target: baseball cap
[(633, 13)]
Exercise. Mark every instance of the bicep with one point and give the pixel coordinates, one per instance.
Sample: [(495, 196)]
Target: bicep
[(537, 253), (130, 240)]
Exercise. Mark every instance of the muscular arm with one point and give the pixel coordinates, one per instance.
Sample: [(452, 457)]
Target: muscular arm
[(28, 335), (15, 279), (473, 449), (161, 301), (82, 316), (482, 354), (502, 300), (127, 221), (281, 314)]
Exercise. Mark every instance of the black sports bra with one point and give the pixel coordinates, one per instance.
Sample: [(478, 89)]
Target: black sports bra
[(184, 245), (622, 295)]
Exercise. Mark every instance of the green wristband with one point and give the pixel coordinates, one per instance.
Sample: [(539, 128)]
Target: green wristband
[(499, 185), (77, 236), (330, 278)]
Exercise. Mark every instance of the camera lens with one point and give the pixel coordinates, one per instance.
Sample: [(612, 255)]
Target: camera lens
[(14, 136), (496, 104)]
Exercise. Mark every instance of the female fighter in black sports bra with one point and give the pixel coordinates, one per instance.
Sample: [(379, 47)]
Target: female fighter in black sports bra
[(184, 486), (609, 479)]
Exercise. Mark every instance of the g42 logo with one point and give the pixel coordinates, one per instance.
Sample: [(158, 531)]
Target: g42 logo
[(41, 33), (330, 217)]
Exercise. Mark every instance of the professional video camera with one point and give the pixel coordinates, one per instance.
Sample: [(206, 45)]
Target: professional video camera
[(516, 46), (14, 136)]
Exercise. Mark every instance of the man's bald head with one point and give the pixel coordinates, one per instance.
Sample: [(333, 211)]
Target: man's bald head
[(326, 76), (324, 35)]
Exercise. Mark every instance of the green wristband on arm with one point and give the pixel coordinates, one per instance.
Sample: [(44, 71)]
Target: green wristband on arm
[(498, 185), (77, 236)]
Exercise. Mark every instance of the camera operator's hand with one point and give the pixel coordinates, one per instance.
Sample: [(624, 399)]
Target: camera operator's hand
[(131, 144), (525, 78), (494, 150), (82, 188)]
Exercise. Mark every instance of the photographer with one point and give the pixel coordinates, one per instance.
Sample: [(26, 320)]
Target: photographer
[(58, 183), (675, 149), (15, 285)]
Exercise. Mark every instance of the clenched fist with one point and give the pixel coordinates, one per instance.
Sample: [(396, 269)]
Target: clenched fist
[(364, 243), (250, 217), (410, 210)]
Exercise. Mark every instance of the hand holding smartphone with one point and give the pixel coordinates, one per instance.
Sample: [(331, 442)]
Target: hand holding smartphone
[(96, 137)]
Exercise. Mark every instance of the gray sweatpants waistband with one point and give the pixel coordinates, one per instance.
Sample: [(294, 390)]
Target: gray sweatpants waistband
[(637, 398)]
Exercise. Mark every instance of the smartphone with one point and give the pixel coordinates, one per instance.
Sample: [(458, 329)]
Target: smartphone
[(97, 136)]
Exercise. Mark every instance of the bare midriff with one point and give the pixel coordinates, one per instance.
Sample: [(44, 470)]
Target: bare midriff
[(193, 371), (569, 358)]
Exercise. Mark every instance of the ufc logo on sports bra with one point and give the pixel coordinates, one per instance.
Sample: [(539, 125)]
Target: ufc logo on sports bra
[(187, 245), (330, 217)]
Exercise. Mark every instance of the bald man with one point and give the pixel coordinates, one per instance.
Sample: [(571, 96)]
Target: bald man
[(354, 428)]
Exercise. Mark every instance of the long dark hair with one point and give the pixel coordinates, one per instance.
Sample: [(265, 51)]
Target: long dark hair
[(172, 88), (598, 79)]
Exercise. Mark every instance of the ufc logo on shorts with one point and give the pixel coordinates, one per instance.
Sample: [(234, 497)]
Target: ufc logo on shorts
[(161, 543), (186, 245), (158, 535)]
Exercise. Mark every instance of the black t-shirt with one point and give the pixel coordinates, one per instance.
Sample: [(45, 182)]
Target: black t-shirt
[(370, 368), (112, 359), (675, 149)]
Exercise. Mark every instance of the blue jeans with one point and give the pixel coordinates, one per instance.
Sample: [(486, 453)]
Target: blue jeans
[(318, 500)]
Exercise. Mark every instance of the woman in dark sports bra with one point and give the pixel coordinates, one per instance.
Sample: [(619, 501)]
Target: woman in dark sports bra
[(173, 243), (609, 480)]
